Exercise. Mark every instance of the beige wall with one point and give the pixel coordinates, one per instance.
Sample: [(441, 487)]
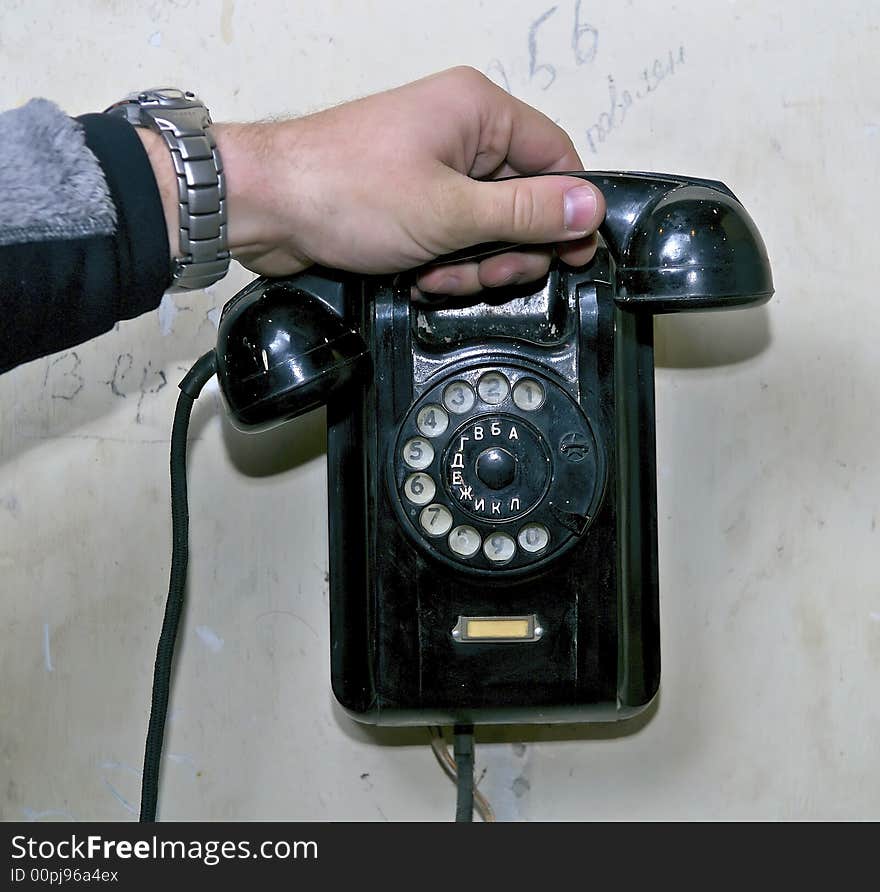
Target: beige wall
[(768, 430)]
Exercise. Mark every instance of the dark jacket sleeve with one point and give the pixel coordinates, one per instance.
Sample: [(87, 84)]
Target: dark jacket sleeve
[(65, 288)]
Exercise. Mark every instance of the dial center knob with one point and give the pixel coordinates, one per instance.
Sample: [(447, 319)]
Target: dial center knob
[(496, 467)]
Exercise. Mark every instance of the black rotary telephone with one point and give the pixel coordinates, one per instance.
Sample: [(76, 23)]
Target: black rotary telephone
[(492, 483)]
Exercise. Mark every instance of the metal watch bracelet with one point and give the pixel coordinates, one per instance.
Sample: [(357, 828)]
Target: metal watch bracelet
[(184, 123)]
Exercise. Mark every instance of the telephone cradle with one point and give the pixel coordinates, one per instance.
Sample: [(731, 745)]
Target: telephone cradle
[(491, 462)]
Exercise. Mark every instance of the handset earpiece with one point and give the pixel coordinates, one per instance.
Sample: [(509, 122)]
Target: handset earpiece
[(681, 243), (282, 351)]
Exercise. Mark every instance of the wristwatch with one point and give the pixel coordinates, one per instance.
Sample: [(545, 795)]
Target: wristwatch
[(184, 122)]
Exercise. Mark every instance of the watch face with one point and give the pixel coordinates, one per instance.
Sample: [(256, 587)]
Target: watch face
[(171, 93)]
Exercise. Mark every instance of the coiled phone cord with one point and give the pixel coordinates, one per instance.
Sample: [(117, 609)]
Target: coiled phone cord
[(190, 388)]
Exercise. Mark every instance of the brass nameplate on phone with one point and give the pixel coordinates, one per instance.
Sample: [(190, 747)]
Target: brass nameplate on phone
[(475, 629)]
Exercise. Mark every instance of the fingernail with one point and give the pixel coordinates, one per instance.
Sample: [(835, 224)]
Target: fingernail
[(445, 284), (580, 208), (509, 279)]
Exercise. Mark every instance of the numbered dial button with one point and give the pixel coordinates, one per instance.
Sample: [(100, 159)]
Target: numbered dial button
[(459, 397), (436, 520), (499, 547), (464, 541), (528, 394), (533, 537), (419, 489), (493, 388), (418, 453), (432, 420)]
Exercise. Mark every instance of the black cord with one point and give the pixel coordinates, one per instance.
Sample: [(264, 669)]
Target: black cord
[(190, 387), (463, 750)]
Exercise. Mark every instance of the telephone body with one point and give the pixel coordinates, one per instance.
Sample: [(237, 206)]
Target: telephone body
[(491, 463)]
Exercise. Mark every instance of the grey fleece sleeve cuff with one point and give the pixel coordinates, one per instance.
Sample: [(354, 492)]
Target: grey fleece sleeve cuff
[(51, 184)]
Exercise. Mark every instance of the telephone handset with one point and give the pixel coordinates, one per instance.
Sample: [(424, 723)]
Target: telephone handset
[(492, 494)]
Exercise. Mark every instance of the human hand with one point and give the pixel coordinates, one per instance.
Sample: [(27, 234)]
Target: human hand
[(392, 181)]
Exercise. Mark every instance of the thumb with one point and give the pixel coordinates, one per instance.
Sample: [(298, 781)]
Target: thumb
[(527, 210)]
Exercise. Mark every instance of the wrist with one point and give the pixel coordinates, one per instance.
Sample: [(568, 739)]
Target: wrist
[(166, 181), (246, 154)]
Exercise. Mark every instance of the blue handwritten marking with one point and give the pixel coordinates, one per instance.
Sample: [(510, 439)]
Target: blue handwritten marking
[(34, 816), (121, 766), (534, 68), (584, 46), (620, 101), (47, 653), (118, 796)]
